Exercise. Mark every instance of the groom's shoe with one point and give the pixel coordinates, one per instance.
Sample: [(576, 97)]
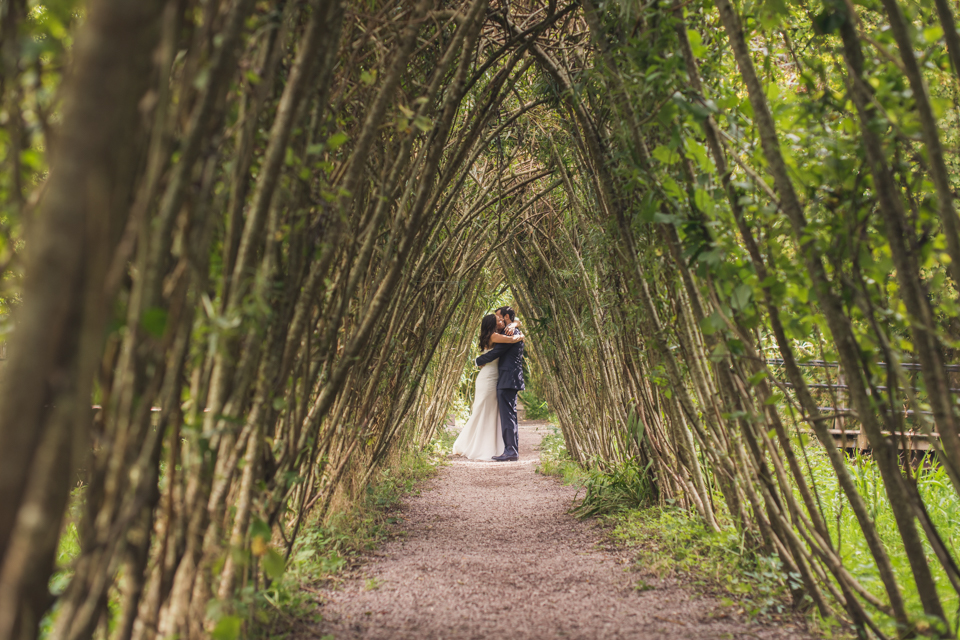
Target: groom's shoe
[(506, 458)]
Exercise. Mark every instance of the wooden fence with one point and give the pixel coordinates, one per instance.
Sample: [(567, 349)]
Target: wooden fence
[(827, 385)]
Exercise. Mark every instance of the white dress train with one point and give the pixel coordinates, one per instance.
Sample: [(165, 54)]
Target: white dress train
[(481, 438)]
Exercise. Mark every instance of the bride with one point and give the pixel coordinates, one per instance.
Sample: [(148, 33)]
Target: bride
[(481, 438)]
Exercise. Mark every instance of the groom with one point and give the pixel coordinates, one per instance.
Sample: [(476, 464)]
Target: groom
[(510, 382)]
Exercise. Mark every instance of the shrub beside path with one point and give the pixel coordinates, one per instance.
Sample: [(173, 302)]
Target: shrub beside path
[(490, 551)]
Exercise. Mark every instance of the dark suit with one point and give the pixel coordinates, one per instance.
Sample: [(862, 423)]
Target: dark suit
[(510, 382)]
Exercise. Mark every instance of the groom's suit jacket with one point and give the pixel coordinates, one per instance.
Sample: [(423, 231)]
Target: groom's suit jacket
[(510, 365)]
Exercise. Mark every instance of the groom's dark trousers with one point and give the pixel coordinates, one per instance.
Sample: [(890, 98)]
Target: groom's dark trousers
[(507, 401), (508, 385)]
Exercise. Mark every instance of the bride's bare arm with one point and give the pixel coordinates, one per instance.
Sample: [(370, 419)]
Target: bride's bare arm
[(498, 337)]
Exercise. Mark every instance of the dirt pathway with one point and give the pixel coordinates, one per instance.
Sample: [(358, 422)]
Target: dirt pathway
[(491, 552)]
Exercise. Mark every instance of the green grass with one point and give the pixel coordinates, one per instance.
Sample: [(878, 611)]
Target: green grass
[(606, 491), (555, 460), (674, 542), (616, 489), (942, 503)]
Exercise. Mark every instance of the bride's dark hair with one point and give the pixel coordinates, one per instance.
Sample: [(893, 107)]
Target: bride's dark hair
[(487, 327)]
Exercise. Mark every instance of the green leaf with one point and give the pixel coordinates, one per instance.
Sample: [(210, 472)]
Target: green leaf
[(772, 91), (154, 321), (699, 153), (273, 564), (696, 43), (933, 34), (368, 77), (228, 628), (773, 398), (719, 352), (335, 141), (711, 324), (665, 218), (736, 347), (672, 188), (741, 297), (940, 105), (666, 155), (32, 159)]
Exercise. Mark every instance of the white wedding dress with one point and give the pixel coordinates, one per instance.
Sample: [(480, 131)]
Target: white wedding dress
[(481, 438)]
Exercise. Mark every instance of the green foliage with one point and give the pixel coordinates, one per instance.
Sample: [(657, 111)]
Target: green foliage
[(679, 229), (154, 321), (614, 488), (68, 549), (608, 488), (555, 460), (460, 408), (227, 628), (670, 541), (941, 501), (39, 51), (674, 541)]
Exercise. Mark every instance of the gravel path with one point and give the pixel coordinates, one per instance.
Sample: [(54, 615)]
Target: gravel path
[(490, 552)]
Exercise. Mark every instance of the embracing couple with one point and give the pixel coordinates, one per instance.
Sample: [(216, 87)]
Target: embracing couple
[(491, 432)]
